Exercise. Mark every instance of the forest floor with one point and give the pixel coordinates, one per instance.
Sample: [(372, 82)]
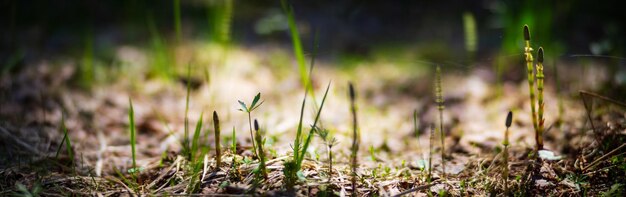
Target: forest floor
[(392, 158)]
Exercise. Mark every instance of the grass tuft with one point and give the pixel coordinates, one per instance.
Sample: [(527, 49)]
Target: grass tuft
[(66, 140), (329, 142)]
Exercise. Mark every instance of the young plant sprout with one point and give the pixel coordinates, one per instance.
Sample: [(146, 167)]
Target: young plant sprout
[(329, 142), (355, 138), (131, 123), (218, 146), (505, 173), (248, 110), (531, 81), (261, 153)]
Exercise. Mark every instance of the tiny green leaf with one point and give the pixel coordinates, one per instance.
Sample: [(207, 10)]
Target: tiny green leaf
[(256, 99), (243, 106)]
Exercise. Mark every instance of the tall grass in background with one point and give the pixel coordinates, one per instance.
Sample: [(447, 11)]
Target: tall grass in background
[(297, 48), (471, 35), (86, 68), (161, 64), (219, 17)]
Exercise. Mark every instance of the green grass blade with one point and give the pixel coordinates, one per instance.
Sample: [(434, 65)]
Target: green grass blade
[(196, 138), (308, 139), (297, 141), (297, 44), (131, 123), (186, 147), (233, 146), (66, 140)]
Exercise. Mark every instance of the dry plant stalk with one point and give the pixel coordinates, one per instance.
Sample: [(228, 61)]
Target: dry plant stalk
[(440, 107), (505, 157), (355, 138), (218, 146)]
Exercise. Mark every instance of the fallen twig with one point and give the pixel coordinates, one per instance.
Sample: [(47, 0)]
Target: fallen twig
[(418, 188)]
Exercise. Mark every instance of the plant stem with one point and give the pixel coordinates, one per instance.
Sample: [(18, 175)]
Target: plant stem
[(261, 154), (440, 107), (252, 136), (505, 174), (355, 138), (431, 138), (218, 147), (540, 78), (531, 81), (330, 162)]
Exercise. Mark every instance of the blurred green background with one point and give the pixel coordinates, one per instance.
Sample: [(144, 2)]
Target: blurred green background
[(459, 33)]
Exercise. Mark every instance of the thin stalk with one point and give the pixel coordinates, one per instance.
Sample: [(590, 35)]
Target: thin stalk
[(540, 77), (440, 107), (431, 139), (233, 146), (261, 154), (218, 146), (186, 147), (355, 138), (330, 162), (531, 80), (505, 173), (131, 120), (251, 135), (416, 128)]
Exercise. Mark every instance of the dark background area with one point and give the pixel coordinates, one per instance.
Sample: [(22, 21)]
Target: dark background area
[(43, 29)]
